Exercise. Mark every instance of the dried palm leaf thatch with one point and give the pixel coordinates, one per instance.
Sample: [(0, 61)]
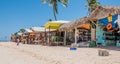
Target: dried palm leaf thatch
[(73, 24), (103, 11)]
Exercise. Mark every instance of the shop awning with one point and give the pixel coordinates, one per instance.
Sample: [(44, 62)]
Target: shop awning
[(54, 24), (86, 26), (27, 30), (31, 33)]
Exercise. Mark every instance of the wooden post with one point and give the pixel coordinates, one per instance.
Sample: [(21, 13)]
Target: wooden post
[(45, 37), (93, 32), (65, 38), (58, 37), (75, 35), (49, 37)]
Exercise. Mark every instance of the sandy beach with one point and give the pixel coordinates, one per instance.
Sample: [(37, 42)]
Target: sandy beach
[(38, 54)]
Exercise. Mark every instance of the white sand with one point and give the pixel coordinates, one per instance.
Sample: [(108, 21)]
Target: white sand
[(37, 54)]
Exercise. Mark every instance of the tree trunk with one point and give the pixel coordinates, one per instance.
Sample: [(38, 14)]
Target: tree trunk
[(54, 14)]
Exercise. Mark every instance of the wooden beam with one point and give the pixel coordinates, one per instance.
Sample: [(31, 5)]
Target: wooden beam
[(65, 38)]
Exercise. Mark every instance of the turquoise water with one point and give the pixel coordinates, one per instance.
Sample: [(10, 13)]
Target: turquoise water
[(4, 40)]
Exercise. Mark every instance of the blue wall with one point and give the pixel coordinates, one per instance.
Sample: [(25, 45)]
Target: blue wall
[(99, 35)]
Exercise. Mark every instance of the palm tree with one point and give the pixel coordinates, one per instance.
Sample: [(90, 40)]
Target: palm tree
[(54, 4), (92, 4), (22, 30), (50, 20)]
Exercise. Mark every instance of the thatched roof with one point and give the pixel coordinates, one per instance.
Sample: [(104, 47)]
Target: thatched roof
[(104, 11), (40, 29), (27, 30), (73, 24)]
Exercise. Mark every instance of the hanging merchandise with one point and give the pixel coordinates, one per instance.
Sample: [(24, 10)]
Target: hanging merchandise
[(107, 20), (110, 18), (118, 21), (109, 26)]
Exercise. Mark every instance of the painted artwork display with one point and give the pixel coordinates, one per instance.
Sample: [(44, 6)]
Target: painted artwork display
[(109, 20)]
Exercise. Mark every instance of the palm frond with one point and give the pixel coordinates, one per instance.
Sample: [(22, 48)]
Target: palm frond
[(54, 4), (92, 4), (44, 1), (64, 2), (51, 2)]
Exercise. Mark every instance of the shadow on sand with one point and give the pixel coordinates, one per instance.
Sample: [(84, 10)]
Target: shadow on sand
[(110, 48)]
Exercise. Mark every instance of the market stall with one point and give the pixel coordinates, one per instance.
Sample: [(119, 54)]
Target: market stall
[(78, 28), (107, 25), (54, 35)]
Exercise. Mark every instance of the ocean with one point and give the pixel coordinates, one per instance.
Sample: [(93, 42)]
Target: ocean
[(4, 40)]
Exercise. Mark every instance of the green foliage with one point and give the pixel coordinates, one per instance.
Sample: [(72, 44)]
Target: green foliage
[(92, 4), (50, 20), (15, 33), (57, 39), (22, 30), (68, 40)]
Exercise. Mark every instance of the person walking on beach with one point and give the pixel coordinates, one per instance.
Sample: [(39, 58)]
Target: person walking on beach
[(18, 41)]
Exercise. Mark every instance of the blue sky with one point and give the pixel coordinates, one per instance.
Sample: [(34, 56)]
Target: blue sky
[(17, 14)]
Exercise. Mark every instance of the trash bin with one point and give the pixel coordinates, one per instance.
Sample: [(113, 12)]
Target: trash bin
[(92, 44)]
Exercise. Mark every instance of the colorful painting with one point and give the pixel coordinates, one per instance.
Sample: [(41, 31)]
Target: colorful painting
[(109, 20)]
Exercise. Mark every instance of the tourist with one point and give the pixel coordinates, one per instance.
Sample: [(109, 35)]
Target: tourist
[(18, 41)]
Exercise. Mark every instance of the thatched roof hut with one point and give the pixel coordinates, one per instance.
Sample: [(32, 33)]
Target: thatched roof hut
[(73, 24), (40, 29), (104, 11)]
